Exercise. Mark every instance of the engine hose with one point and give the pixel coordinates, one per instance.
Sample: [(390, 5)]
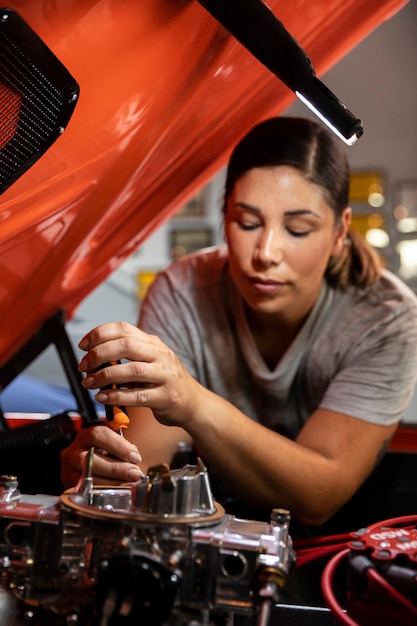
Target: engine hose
[(57, 430)]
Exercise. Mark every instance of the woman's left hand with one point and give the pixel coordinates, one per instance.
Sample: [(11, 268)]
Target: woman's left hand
[(120, 463)]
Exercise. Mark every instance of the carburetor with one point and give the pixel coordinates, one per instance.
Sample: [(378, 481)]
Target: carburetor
[(158, 552)]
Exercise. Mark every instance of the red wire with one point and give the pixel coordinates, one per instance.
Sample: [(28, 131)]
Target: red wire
[(316, 547), (407, 519), (316, 553), (315, 541), (392, 591), (327, 589)]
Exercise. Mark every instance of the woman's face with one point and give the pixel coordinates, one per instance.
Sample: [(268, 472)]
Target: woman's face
[(280, 233)]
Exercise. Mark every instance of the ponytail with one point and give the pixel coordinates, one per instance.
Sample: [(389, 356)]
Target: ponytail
[(359, 264)]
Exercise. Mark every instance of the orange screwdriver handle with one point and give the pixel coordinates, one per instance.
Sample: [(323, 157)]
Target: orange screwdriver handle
[(120, 418)]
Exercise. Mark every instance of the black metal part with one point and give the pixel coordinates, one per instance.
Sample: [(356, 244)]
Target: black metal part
[(282, 615), (56, 431), (143, 585), (37, 97), (31, 453), (37, 446), (255, 26), (52, 332)]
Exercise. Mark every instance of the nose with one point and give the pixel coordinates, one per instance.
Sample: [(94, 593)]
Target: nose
[(269, 250)]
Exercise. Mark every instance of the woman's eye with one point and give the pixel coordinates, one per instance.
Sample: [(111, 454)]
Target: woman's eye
[(247, 225), (244, 225), (298, 233)]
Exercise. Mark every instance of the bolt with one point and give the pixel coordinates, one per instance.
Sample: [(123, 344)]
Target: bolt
[(29, 615)]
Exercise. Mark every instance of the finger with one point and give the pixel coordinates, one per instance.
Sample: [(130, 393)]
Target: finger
[(132, 346), (119, 464), (103, 437), (105, 467), (105, 471), (147, 396), (104, 333), (99, 437), (130, 374)]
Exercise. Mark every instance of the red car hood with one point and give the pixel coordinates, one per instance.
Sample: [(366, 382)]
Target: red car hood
[(165, 91)]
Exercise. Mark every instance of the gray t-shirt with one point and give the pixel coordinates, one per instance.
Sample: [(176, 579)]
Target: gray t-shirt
[(356, 353)]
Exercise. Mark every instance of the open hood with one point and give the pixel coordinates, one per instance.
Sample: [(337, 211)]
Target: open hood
[(165, 92)]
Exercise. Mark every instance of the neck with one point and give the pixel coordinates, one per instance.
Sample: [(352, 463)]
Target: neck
[(264, 323), (273, 335)]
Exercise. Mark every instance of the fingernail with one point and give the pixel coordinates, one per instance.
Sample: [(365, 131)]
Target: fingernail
[(134, 457), (101, 396), (88, 381), (84, 343), (135, 474)]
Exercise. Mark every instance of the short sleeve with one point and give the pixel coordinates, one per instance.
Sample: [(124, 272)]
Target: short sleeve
[(165, 313), (375, 362)]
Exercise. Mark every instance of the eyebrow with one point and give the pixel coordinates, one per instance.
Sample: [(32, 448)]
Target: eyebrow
[(292, 213)]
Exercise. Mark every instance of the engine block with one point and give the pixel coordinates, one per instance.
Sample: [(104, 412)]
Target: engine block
[(159, 552)]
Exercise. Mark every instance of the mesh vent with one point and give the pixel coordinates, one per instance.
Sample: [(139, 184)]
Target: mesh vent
[(10, 103), (37, 97)]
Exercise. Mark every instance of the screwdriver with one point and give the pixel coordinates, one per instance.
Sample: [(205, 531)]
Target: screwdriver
[(116, 416)]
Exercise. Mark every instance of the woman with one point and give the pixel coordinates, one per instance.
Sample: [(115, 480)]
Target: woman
[(286, 357)]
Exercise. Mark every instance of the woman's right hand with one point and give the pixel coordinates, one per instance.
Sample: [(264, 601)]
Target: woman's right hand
[(141, 372), (116, 460)]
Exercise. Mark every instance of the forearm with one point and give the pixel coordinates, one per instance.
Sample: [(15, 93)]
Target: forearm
[(262, 466), (312, 477), (157, 443)]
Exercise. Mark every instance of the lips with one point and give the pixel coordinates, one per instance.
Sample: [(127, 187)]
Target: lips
[(266, 286), (265, 281)]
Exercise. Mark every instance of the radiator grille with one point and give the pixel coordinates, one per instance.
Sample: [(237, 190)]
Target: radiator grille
[(37, 97)]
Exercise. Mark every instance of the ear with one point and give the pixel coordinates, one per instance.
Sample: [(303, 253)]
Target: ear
[(342, 229)]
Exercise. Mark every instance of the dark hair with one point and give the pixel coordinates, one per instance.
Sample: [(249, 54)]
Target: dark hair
[(322, 160)]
